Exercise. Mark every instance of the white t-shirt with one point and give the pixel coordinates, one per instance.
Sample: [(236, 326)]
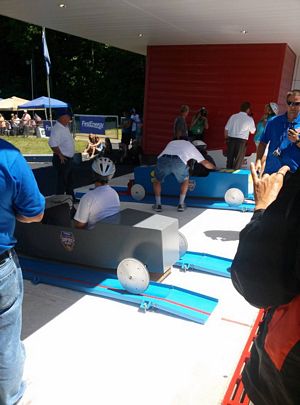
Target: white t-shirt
[(135, 120), (97, 204), (61, 136), (26, 118), (183, 149), (239, 125)]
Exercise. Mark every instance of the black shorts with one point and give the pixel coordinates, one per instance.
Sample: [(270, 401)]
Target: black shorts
[(126, 138)]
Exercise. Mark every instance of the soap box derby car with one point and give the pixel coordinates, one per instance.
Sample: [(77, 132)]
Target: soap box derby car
[(152, 239)]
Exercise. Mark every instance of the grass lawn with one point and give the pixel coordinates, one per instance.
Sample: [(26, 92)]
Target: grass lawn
[(38, 146)]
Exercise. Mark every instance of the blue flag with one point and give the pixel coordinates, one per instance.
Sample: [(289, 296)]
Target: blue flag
[(46, 53)]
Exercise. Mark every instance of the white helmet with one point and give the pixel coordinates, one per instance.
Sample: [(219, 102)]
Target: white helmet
[(197, 142), (200, 145), (274, 107), (104, 167)]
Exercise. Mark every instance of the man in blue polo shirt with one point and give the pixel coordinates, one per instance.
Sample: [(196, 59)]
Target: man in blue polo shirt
[(21, 200), (281, 134)]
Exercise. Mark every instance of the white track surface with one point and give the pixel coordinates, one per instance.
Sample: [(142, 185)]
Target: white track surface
[(86, 350)]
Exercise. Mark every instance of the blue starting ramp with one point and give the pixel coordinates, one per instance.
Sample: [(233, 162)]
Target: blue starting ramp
[(196, 202), (214, 185), (167, 298), (203, 192), (206, 263)]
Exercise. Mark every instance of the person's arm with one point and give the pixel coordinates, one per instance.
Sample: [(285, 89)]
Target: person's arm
[(80, 225), (205, 122), (252, 127), (82, 213), (28, 220), (28, 203), (259, 154), (57, 152), (227, 128), (127, 123), (226, 134), (194, 120), (261, 270), (207, 164), (179, 127), (293, 137), (177, 132)]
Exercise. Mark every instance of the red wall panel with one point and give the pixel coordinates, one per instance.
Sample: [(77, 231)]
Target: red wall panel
[(219, 77)]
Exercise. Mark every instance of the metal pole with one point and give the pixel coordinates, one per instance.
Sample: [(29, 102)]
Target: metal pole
[(48, 91), (31, 73)]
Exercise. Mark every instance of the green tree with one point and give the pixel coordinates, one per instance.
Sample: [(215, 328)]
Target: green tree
[(94, 78)]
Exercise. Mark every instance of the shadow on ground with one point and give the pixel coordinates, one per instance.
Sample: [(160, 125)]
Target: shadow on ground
[(222, 235)]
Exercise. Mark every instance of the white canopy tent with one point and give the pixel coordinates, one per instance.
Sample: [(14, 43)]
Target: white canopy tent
[(11, 103)]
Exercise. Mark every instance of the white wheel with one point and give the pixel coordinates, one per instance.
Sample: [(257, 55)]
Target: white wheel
[(133, 275), (183, 244), (137, 192), (234, 197)]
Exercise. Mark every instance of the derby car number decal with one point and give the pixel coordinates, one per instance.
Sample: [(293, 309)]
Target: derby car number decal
[(67, 239)]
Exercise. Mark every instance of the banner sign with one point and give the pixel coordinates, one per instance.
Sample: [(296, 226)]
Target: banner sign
[(47, 126), (92, 124)]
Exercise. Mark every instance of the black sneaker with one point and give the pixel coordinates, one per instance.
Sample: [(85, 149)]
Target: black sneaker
[(157, 207), (180, 207)]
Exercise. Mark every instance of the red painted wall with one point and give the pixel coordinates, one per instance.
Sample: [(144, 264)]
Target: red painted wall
[(219, 77)]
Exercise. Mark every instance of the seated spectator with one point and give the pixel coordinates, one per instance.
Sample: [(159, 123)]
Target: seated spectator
[(107, 151), (101, 202), (2, 125), (7, 129), (32, 127), (38, 120), (94, 145)]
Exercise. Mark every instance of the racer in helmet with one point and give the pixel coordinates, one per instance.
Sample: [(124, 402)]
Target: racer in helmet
[(199, 170), (100, 202)]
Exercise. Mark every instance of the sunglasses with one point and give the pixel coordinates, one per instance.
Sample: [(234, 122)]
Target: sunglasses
[(293, 103)]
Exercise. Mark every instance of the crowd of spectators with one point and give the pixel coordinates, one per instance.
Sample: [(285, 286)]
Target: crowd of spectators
[(26, 125)]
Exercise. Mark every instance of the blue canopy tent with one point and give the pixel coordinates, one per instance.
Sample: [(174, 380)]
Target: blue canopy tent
[(42, 103)]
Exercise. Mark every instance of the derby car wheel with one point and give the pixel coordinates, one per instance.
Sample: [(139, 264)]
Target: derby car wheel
[(183, 244), (133, 275), (234, 197), (137, 192)]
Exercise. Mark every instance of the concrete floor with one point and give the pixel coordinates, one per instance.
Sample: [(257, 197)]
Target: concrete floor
[(86, 350)]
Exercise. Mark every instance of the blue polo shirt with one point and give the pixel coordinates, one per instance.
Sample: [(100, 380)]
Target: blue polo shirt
[(19, 193), (276, 133)]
